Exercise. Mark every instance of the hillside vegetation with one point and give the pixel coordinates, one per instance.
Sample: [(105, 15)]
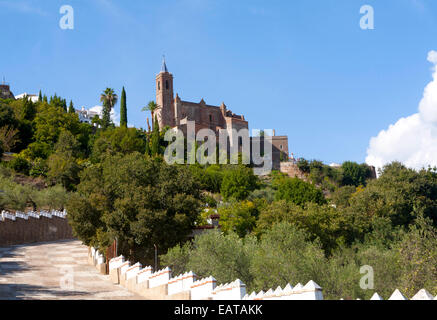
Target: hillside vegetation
[(114, 183)]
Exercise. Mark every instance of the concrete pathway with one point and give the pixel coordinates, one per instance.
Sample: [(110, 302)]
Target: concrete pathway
[(54, 271)]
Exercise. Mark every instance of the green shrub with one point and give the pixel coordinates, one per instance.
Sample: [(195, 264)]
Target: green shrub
[(20, 165)]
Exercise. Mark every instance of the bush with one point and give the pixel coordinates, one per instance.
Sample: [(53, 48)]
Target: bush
[(355, 174), (341, 197), (303, 165), (55, 197), (177, 258), (39, 168), (20, 164), (285, 255), (37, 150), (238, 217), (225, 257), (297, 191), (238, 182)]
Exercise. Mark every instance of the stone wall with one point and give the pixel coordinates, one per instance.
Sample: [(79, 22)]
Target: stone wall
[(20, 228), (292, 170)]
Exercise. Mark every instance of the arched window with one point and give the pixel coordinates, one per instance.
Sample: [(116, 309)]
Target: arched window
[(210, 118), (166, 84), (159, 85)]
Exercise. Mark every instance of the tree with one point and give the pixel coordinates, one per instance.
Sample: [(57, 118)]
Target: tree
[(355, 174), (71, 107), (62, 165), (238, 182), (341, 196), (109, 100), (418, 255), (331, 226), (177, 258), (51, 120), (303, 165), (399, 194), (39, 96), (9, 138), (58, 102), (297, 191), (142, 201), (67, 144), (286, 255), (283, 255), (123, 109), (155, 139), (152, 107), (19, 164), (210, 177), (63, 170), (226, 257), (238, 217), (147, 148), (7, 116), (84, 218), (117, 140)]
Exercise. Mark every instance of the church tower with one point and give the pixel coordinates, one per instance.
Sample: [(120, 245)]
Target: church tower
[(164, 97)]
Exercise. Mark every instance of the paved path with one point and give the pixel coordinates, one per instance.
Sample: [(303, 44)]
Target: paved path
[(53, 271)]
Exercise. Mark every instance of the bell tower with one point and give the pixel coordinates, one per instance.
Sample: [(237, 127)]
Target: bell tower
[(164, 97)]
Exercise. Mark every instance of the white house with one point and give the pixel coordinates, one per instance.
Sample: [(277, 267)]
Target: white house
[(31, 97), (88, 115)]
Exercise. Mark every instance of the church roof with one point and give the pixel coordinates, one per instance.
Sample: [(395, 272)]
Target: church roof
[(164, 66)]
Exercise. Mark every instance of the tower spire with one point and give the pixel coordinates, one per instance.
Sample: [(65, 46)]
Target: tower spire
[(164, 66)]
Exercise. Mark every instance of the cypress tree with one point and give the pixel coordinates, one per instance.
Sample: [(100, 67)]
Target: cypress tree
[(71, 107), (123, 109), (40, 96), (155, 138), (147, 151), (64, 105), (45, 99)]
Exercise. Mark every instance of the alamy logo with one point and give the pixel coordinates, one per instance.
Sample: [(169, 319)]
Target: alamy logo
[(202, 148), (66, 282), (366, 281), (367, 21), (67, 20)]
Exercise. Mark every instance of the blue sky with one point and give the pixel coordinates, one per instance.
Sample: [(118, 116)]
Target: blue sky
[(304, 67)]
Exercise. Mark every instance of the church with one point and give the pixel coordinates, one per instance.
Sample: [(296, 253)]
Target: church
[(175, 113)]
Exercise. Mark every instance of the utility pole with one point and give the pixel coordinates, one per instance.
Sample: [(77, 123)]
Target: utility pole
[(116, 246), (156, 257)]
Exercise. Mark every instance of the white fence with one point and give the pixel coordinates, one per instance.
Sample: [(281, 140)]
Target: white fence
[(33, 214), (201, 289), (423, 294), (207, 288)]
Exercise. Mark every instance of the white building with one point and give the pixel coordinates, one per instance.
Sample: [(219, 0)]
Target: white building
[(31, 97), (88, 115)]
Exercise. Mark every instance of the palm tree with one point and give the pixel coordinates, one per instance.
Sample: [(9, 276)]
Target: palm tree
[(109, 100), (152, 106)]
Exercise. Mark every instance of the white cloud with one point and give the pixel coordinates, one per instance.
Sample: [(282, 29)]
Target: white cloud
[(115, 117), (411, 140)]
